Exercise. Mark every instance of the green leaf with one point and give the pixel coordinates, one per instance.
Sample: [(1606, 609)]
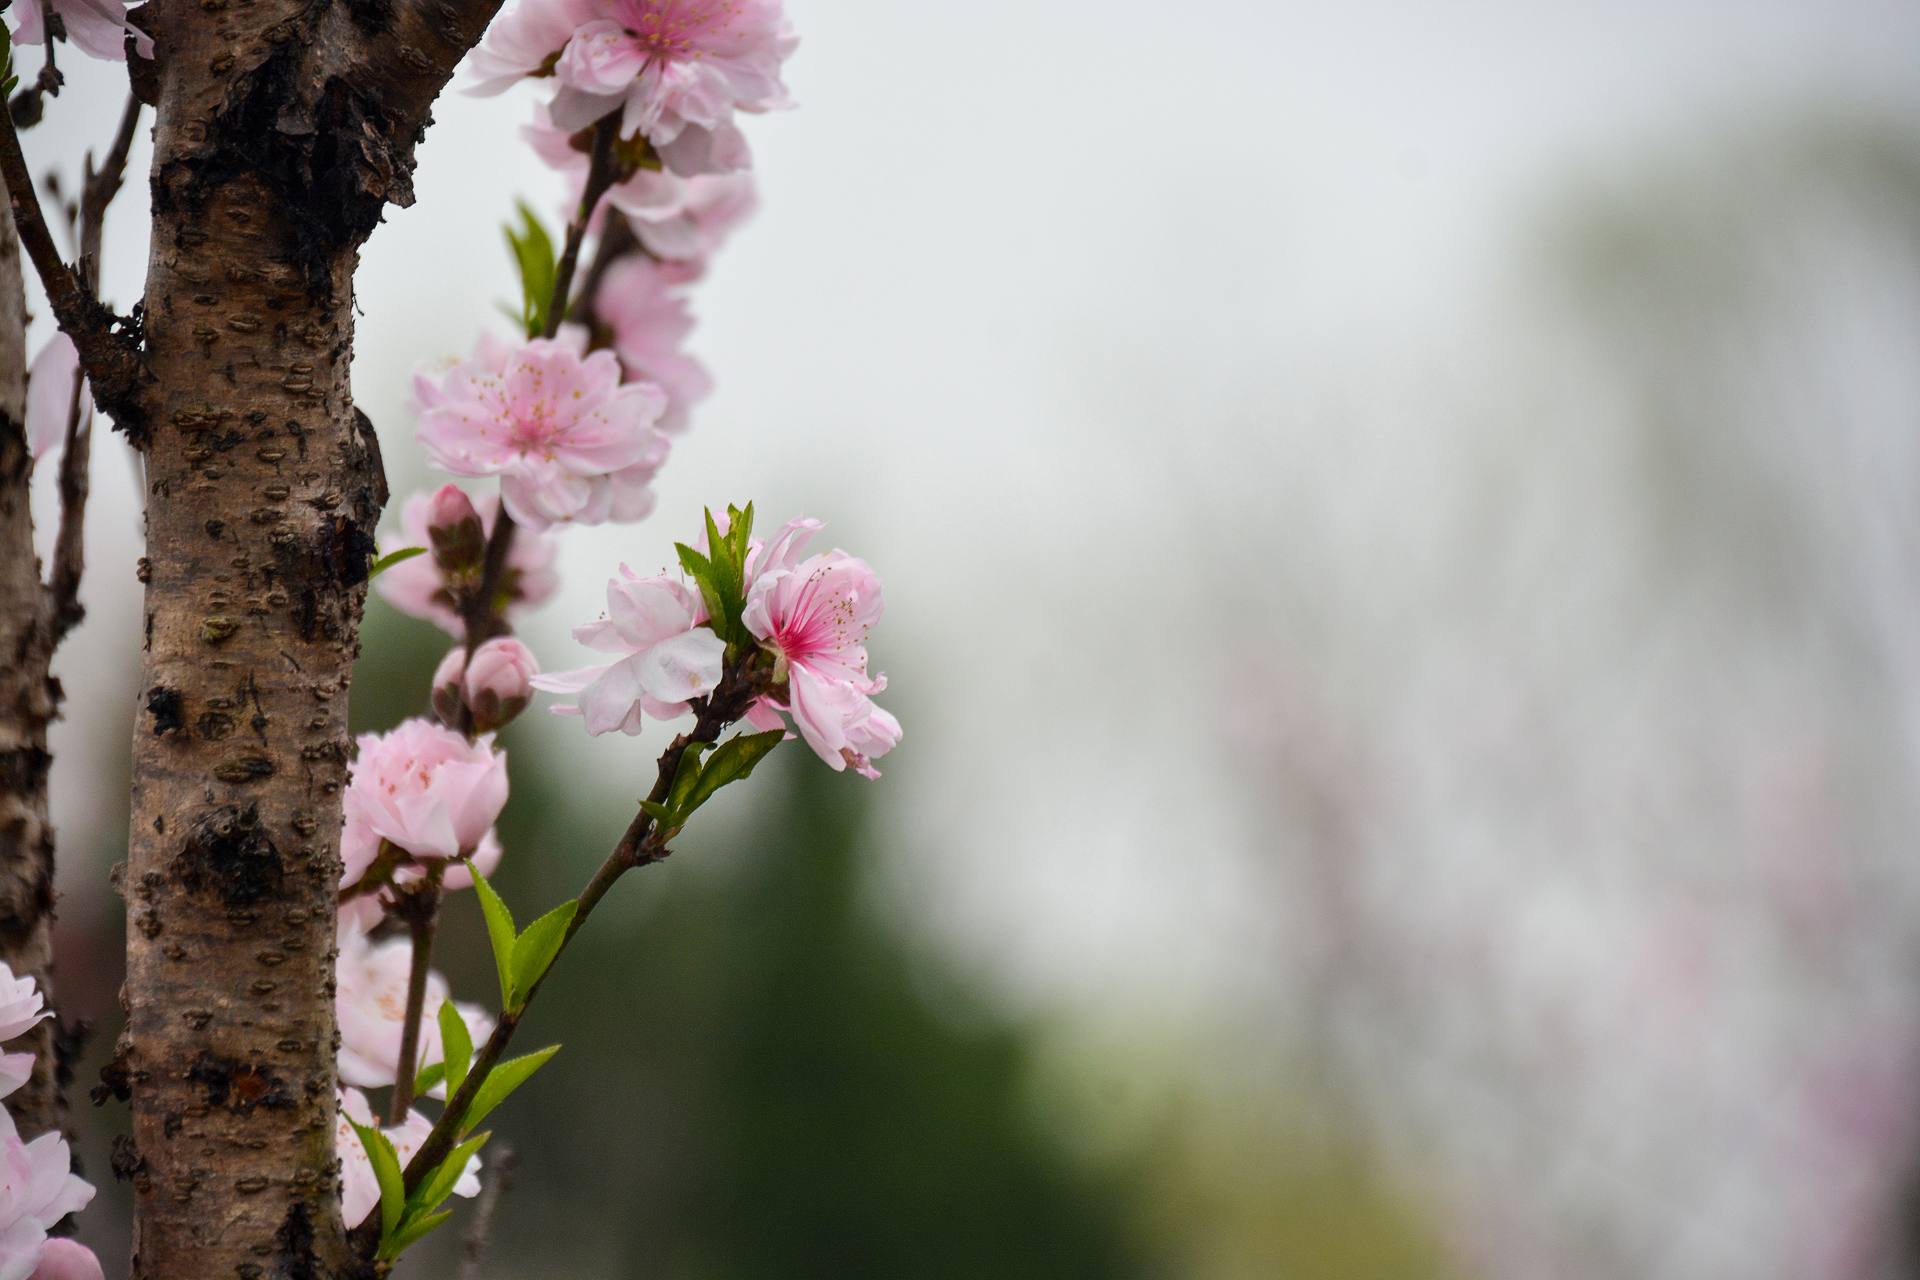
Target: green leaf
[(660, 813), (393, 558), (386, 1171), (537, 947), (410, 1232), (434, 1190), (533, 253), (430, 1075), (686, 775), (456, 1046), (707, 579), (500, 932), (740, 532), (732, 762), (503, 1080)]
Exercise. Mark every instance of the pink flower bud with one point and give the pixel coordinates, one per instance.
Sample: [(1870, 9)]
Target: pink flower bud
[(447, 695), (496, 687), (64, 1259), (453, 528)]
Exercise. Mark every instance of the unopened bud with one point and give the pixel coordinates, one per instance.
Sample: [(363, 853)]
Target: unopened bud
[(453, 527), (495, 687)]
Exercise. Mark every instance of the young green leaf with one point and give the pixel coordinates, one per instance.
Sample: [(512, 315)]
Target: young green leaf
[(457, 1046), (500, 932), (410, 1232), (660, 813), (533, 253), (503, 1080), (386, 1171), (686, 775), (430, 1075), (393, 558), (537, 947), (706, 578), (733, 761), (439, 1184)]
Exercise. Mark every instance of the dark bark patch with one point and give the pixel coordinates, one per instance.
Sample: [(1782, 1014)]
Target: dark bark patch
[(164, 705), (127, 1162), (239, 770), (238, 1086), (228, 851), (347, 552)]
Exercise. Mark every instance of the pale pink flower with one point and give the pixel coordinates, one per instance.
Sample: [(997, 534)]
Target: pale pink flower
[(814, 614), (668, 657), (552, 425), (64, 1259), (15, 1070), (683, 220), (677, 70), (370, 1003), (99, 27), (640, 302), (37, 1189), (20, 1004), (359, 846), (425, 789), (693, 228), (359, 1188), (418, 587), (50, 394), (495, 686)]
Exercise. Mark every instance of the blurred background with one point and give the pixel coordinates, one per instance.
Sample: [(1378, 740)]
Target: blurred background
[(1404, 593)]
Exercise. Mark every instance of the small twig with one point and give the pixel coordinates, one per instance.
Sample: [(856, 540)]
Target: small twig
[(601, 175), (97, 189), (419, 906), (500, 1165), (111, 359), (642, 844)]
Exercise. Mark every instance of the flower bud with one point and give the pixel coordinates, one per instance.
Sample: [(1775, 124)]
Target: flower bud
[(454, 530), (496, 687), (499, 682), (447, 695)]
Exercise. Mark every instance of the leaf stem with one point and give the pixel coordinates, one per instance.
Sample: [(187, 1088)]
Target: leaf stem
[(419, 906)]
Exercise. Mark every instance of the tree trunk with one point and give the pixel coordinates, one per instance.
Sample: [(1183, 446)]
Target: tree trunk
[(283, 128), (28, 703)]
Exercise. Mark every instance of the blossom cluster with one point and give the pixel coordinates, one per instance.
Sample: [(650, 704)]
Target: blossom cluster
[(37, 1184), (574, 419)]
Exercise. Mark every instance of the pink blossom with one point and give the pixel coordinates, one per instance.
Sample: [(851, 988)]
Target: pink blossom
[(640, 302), (495, 686), (99, 27), (555, 427), (64, 1259), (683, 220), (370, 1002), (358, 849), (359, 1188), (419, 589), (50, 394), (668, 657), (20, 1004), (425, 789), (37, 1189), (814, 614), (677, 70)]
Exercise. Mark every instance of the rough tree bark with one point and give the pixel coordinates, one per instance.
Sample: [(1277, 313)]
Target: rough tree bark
[(283, 128), (28, 703)]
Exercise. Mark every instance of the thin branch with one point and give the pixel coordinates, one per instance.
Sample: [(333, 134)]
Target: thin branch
[(98, 187), (642, 844), (602, 173), (419, 906), (111, 359), (499, 1180)]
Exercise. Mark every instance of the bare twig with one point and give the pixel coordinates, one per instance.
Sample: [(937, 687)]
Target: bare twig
[(111, 358), (419, 906), (97, 189), (499, 1180)]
